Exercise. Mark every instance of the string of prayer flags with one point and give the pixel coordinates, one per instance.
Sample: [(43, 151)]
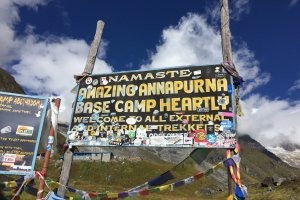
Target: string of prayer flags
[(111, 195), (197, 156), (11, 184), (53, 196), (30, 190), (161, 179)]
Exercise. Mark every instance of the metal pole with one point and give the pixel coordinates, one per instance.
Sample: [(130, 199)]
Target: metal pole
[(227, 56), (47, 158), (89, 67)]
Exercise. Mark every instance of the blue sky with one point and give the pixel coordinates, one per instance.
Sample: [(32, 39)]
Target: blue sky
[(133, 28), (45, 42)]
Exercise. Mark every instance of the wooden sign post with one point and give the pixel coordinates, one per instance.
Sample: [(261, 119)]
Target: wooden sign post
[(47, 158), (227, 56), (90, 63)]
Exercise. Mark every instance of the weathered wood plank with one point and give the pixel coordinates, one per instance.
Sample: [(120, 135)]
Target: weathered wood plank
[(65, 172), (227, 56), (89, 67), (90, 63)]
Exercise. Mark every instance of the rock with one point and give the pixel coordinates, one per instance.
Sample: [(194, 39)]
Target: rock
[(278, 180), (220, 188), (247, 169), (270, 189), (268, 181), (289, 146), (108, 178), (135, 159), (292, 177), (58, 163), (106, 157), (207, 191)]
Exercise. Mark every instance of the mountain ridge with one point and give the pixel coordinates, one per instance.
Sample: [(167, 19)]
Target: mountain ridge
[(8, 83)]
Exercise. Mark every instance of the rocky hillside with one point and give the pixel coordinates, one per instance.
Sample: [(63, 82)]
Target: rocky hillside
[(265, 174), (8, 83), (257, 161), (292, 157)]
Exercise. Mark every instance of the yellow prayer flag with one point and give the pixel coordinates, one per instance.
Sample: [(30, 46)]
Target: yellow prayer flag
[(12, 184), (230, 197), (218, 166), (164, 187), (53, 184), (112, 195)]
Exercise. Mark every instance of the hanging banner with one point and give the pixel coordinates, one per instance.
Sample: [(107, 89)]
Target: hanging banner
[(21, 119), (174, 107)]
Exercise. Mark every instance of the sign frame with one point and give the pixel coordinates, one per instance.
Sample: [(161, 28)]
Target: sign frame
[(40, 127), (232, 98)]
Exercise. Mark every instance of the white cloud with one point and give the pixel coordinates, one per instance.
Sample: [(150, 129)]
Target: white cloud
[(293, 3), (9, 16), (194, 42), (8, 44), (237, 9), (270, 121), (240, 7), (43, 65), (191, 42), (47, 68), (296, 86), (248, 68)]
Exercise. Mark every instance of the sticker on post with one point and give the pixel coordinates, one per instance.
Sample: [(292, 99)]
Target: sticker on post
[(50, 140)]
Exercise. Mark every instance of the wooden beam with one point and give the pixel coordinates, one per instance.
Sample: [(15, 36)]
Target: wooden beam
[(227, 56), (225, 31), (89, 67), (90, 63), (65, 172)]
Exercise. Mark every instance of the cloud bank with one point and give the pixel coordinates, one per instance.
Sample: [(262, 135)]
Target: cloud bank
[(295, 86), (50, 66), (43, 65), (293, 3), (195, 42), (271, 121)]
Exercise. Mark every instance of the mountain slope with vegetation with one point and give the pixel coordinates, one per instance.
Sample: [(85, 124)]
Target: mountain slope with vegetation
[(8, 83)]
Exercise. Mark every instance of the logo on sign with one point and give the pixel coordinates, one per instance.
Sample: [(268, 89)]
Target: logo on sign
[(9, 158), (226, 125), (88, 80), (200, 135), (24, 130), (211, 138), (188, 140)]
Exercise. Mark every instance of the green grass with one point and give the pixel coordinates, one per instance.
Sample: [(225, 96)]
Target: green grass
[(92, 176), (117, 176)]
